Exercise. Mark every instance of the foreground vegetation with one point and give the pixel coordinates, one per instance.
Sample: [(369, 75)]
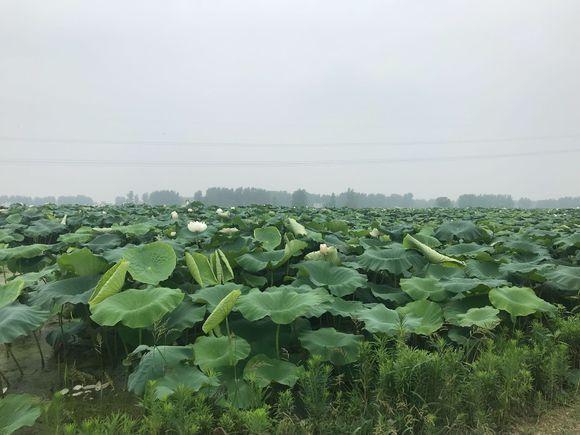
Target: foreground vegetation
[(289, 320)]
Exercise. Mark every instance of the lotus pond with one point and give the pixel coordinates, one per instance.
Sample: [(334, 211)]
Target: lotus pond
[(266, 319)]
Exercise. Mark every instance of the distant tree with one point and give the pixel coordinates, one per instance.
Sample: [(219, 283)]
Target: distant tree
[(120, 200), (525, 203), (332, 201), (350, 198), (164, 197), (443, 202), (145, 198), (299, 198)]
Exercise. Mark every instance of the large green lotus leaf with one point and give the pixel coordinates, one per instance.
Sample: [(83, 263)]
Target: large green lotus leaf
[(453, 309), (214, 352), (258, 261), (17, 320), (485, 317), (221, 311), (409, 242), (110, 283), (461, 230), (8, 236), (133, 230), (82, 262), (565, 278), (186, 315), (523, 246), (263, 370), (104, 242), (443, 272), (75, 290), (519, 301), (471, 285), (341, 281), (334, 346), (394, 259), (424, 288), (10, 292), (466, 249), (136, 308), (282, 305), (182, 375), (25, 251), (483, 269), (213, 295), (151, 263), (427, 239), (155, 363), (565, 242), (421, 317), (380, 319), (200, 268), (18, 411), (388, 293), (342, 308), (75, 238), (269, 237), (44, 228)]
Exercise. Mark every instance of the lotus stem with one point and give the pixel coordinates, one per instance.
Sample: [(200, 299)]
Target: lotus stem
[(278, 340), (39, 349), (9, 350)]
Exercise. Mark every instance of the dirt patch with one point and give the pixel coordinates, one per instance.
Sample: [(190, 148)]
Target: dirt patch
[(560, 420)]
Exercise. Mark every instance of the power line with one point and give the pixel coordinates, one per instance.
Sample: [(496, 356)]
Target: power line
[(281, 144), (273, 163)]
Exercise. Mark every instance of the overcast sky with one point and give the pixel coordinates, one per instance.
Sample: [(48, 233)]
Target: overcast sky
[(400, 94)]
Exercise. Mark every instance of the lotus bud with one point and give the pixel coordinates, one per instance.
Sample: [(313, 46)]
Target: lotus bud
[(172, 234), (174, 215), (190, 210), (197, 227), (374, 233), (324, 249)]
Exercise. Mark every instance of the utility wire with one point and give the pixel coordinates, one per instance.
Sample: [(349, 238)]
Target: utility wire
[(281, 144), (274, 163)]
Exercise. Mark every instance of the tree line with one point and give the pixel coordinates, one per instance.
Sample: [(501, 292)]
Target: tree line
[(224, 196)]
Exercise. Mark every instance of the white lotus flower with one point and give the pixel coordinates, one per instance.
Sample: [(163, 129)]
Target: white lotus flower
[(172, 234), (232, 208), (374, 233), (174, 215), (63, 221), (104, 212), (229, 231), (197, 227), (222, 213), (190, 210), (324, 249)]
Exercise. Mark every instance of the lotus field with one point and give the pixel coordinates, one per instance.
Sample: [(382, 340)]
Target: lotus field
[(269, 314)]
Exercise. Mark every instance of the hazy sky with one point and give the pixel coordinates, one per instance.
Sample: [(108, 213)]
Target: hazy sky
[(94, 95)]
